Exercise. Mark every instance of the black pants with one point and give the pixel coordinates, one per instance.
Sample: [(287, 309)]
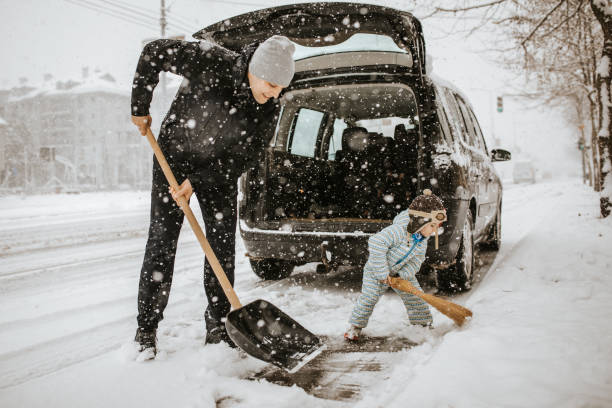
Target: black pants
[(217, 201)]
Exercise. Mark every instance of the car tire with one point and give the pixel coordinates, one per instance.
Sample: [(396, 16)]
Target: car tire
[(494, 239), (272, 269), (458, 277)]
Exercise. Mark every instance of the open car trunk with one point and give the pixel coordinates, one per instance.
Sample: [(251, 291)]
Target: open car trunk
[(322, 24), (343, 154)]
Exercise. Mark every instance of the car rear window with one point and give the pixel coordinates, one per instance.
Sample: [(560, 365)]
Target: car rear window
[(357, 42), (314, 120)]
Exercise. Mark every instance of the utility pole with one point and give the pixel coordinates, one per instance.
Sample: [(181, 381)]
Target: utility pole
[(162, 18), (586, 165), (25, 170), (163, 23)]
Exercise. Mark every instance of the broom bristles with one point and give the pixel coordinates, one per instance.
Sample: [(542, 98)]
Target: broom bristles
[(454, 311)]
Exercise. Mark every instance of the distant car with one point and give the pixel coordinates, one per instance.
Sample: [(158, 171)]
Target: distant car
[(363, 130), (523, 172)]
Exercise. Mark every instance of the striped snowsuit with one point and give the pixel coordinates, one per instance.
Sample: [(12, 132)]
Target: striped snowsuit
[(387, 248)]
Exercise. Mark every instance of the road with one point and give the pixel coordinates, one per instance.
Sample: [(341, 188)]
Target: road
[(69, 277)]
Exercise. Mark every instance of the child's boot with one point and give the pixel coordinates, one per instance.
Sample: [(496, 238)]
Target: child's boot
[(352, 334)]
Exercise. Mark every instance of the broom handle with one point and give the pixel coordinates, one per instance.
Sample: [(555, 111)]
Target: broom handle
[(195, 226), (444, 306)]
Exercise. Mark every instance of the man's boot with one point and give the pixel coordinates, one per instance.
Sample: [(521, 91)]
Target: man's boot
[(217, 335), (147, 340)]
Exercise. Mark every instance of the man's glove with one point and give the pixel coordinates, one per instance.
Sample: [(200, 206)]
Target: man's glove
[(143, 123)]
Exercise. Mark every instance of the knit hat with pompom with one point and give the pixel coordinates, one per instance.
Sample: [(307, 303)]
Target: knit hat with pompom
[(426, 202)]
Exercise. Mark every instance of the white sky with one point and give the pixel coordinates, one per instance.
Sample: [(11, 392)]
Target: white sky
[(59, 37)]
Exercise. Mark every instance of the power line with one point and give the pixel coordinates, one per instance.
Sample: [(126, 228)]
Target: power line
[(146, 17), (126, 16), (180, 20), (176, 26), (131, 11), (239, 3), (148, 13), (145, 13), (102, 10), (129, 19), (114, 13), (180, 24)]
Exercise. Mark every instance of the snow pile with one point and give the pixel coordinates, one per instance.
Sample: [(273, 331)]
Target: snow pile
[(540, 335), (541, 331)]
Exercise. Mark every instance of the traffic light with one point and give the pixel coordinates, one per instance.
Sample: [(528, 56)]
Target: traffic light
[(47, 154), (500, 104)]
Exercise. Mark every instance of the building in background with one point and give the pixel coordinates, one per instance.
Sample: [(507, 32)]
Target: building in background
[(71, 136)]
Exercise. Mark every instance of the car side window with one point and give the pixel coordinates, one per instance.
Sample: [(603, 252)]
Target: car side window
[(277, 127), (444, 128), (305, 132), (335, 142), (479, 134), (471, 133), (455, 115)]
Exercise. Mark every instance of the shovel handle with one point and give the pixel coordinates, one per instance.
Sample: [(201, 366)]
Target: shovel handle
[(456, 312), (195, 226)]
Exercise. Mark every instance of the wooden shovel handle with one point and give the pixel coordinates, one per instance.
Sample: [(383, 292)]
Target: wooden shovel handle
[(456, 312), (195, 226)]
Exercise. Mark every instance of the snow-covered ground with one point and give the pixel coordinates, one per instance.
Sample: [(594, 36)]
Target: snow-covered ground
[(541, 334)]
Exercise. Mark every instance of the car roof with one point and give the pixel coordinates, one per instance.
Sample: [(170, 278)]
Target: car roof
[(443, 83)]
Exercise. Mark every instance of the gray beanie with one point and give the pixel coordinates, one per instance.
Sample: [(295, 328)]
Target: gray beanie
[(273, 61)]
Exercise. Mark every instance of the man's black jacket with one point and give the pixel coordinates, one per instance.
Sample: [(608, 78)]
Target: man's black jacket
[(214, 119)]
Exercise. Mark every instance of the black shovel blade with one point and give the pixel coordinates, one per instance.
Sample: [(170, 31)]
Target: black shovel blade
[(263, 331)]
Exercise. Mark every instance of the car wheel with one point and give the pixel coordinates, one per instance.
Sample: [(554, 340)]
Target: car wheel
[(459, 276), (494, 238), (272, 269)]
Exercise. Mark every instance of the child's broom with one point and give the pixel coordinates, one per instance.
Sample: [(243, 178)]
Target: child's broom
[(450, 309)]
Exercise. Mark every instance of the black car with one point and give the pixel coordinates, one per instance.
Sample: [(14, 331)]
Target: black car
[(363, 130)]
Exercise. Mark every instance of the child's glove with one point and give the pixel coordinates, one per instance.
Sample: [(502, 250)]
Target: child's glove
[(390, 280)]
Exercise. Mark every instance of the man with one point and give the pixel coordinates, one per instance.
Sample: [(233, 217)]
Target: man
[(219, 123)]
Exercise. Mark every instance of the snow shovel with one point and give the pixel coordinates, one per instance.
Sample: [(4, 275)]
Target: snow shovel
[(259, 328)]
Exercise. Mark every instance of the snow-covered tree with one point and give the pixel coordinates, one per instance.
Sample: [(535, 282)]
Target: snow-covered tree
[(603, 11), (556, 45)]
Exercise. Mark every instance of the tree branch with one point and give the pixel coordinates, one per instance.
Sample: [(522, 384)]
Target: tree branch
[(463, 9), (565, 20), (536, 28), (468, 8)]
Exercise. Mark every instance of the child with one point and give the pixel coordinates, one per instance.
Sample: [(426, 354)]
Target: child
[(399, 249)]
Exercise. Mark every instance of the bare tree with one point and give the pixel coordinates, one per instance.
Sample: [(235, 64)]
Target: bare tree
[(555, 43), (603, 11)]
